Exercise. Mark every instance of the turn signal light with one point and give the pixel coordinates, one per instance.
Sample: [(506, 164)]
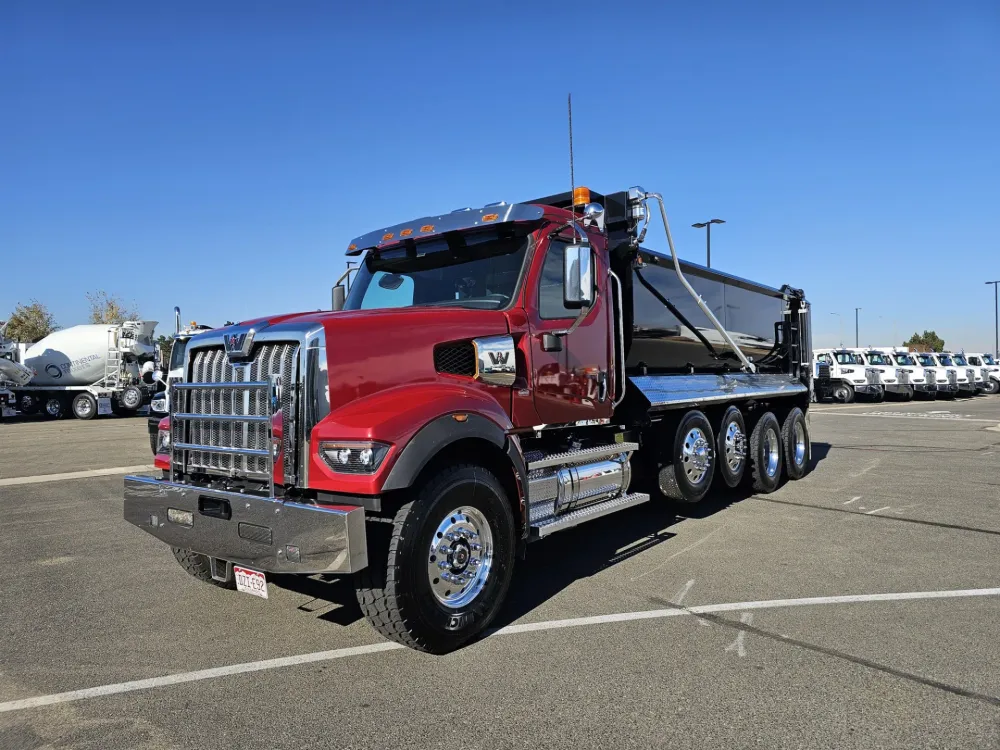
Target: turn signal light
[(581, 196)]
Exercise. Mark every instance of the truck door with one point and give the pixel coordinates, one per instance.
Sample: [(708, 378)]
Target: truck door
[(573, 382)]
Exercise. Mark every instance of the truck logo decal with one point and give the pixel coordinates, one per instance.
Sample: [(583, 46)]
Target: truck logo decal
[(499, 358), (238, 345)]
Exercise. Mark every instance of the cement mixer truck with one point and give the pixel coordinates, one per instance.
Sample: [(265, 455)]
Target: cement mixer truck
[(87, 370)]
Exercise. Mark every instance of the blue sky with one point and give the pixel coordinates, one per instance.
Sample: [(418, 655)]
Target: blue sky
[(851, 147)]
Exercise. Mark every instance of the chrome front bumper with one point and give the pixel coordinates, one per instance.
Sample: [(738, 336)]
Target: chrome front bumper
[(925, 387), (967, 387), (947, 388), (267, 534)]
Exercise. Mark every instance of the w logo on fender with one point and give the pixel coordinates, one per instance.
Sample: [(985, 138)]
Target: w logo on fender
[(499, 358)]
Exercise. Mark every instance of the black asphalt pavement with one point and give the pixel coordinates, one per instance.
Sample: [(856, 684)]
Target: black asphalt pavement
[(904, 498)]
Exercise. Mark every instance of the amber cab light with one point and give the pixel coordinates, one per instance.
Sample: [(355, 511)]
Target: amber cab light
[(581, 196)]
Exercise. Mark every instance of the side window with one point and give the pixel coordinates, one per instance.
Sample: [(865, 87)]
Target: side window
[(388, 290), (550, 287), (825, 359)]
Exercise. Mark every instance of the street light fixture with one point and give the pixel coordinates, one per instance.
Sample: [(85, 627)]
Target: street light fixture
[(996, 321), (707, 226)]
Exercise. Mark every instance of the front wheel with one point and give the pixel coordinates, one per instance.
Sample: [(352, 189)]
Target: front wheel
[(443, 568), (992, 386), (844, 393), (199, 566)]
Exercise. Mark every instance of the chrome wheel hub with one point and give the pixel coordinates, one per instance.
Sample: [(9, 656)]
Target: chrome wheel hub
[(52, 407), (83, 408), (696, 456), (799, 435), (460, 557), (772, 446), (735, 447)]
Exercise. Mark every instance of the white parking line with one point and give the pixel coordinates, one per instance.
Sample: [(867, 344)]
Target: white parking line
[(927, 417), (528, 627), (40, 478)]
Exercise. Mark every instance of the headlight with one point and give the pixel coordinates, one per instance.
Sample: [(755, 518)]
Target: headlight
[(158, 405), (163, 441), (354, 457)]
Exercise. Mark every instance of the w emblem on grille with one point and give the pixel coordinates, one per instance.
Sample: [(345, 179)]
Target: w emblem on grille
[(238, 345), (499, 358)]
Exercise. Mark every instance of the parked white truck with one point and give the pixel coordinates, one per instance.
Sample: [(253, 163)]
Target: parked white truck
[(989, 368), (923, 379), (88, 370), (974, 375), (895, 380), (842, 374)]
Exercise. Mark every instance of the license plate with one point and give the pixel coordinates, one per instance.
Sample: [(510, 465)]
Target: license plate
[(250, 581), (104, 406)]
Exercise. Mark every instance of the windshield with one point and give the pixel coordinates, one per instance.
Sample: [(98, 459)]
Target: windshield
[(479, 270), (926, 360), (874, 358), (959, 360), (904, 359), (177, 354), (846, 358), (944, 359), (988, 359)]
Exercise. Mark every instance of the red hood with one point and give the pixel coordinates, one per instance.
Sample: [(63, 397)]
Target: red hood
[(372, 350)]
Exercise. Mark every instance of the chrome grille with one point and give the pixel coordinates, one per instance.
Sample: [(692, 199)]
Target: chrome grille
[(823, 371), (953, 377), (930, 377), (874, 376), (210, 365), (903, 377), (971, 375)]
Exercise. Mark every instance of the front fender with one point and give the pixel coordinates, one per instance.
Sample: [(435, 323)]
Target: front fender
[(397, 416)]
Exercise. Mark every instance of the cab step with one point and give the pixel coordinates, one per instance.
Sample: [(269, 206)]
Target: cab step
[(587, 513)]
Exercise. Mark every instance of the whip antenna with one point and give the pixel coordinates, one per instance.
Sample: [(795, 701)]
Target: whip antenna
[(572, 177)]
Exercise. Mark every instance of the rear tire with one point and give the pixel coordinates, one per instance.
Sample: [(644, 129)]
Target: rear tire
[(731, 447), (130, 399), (27, 404), (795, 439), (766, 454), (53, 407), (84, 406), (199, 567), (688, 476), (403, 592)]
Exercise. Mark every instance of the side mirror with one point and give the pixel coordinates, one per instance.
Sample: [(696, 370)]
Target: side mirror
[(339, 297), (157, 376), (578, 276)]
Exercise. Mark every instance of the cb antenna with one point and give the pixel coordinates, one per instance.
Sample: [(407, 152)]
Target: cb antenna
[(572, 177)]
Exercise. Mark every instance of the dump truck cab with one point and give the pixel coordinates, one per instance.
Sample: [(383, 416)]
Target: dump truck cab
[(988, 368)]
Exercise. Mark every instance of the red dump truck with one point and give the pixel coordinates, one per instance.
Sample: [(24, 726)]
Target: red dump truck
[(492, 376)]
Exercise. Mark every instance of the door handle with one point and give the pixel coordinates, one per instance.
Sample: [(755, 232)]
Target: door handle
[(551, 342)]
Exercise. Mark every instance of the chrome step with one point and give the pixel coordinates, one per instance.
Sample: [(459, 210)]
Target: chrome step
[(582, 456), (588, 513)]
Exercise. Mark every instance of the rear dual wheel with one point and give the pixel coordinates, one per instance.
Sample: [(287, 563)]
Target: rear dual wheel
[(688, 476)]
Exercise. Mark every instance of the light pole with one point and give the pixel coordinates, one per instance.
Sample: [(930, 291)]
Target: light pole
[(856, 337), (996, 321), (840, 320), (707, 225)]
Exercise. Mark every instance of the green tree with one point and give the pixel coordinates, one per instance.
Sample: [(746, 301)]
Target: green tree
[(164, 342), (110, 309), (927, 341), (30, 323)]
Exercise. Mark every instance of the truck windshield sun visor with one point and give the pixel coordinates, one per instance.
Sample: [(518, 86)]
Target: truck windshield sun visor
[(478, 270)]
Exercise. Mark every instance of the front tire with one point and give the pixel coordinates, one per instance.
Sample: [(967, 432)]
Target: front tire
[(198, 566), (766, 454), (992, 386), (795, 439), (447, 563), (688, 476), (844, 393)]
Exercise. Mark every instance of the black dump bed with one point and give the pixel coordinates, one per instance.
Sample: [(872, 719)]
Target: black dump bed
[(670, 333)]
